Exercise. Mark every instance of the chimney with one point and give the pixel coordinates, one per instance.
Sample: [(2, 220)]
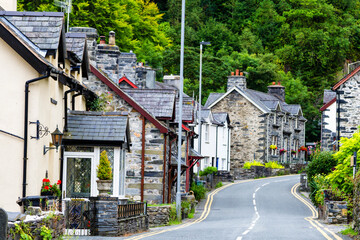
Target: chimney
[(102, 40), (238, 80), (277, 90), (111, 38), (173, 80)]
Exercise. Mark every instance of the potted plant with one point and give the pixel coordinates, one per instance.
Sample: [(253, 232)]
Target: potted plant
[(49, 189), (282, 151), (104, 174)]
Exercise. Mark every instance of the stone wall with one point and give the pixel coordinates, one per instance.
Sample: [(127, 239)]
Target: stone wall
[(158, 215), (248, 133), (56, 223), (154, 149), (350, 106), (132, 225), (335, 212)]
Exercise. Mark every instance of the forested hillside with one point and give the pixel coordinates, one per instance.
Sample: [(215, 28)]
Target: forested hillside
[(305, 44)]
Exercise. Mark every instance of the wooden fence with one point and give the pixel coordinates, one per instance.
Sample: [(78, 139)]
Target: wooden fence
[(132, 210)]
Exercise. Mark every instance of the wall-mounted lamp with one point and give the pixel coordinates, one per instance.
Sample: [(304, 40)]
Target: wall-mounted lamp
[(56, 137)]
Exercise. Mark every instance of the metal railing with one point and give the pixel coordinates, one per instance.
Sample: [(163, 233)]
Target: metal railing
[(77, 217), (132, 210)]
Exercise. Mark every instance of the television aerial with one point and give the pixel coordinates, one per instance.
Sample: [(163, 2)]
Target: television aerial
[(65, 6)]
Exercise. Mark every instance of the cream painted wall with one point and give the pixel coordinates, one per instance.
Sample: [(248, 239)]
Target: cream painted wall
[(8, 5), (331, 120), (14, 73)]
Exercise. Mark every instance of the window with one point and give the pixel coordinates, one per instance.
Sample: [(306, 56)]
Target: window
[(207, 133), (274, 139), (275, 118), (224, 136), (296, 123)]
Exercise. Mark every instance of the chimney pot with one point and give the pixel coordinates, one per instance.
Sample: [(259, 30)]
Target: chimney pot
[(241, 73), (273, 83), (232, 73), (111, 38), (279, 83), (102, 40), (237, 72)]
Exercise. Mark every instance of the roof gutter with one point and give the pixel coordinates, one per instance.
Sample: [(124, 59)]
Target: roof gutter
[(66, 106), (26, 121)]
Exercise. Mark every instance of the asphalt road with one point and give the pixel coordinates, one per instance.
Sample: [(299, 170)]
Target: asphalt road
[(267, 208)]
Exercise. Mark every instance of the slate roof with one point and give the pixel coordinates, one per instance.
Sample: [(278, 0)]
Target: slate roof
[(159, 102), (328, 96), (75, 42), (193, 153), (292, 108), (161, 85), (42, 28), (212, 98), (188, 110), (221, 117), (95, 126)]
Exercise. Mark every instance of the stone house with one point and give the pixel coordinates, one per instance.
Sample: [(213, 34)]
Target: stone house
[(260, 120), (34, 58), (328, 121), (340, 113)]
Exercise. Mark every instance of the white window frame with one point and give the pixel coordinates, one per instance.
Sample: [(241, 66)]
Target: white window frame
[(274, 117), (118, 177), (207, 133)]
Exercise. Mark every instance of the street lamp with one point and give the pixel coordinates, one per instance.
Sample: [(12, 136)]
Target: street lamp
[(200, 73)]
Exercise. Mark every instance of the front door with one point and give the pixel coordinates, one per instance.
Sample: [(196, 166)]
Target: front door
[(78, 177)]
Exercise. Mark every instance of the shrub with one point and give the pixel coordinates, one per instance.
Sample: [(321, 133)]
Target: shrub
[(219, 184), (104, 171), (321, 163), (273, 164), (199, 191), (208, 170), (248, 165)]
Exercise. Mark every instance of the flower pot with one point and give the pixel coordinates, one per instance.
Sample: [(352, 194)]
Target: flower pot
[(104, 187)]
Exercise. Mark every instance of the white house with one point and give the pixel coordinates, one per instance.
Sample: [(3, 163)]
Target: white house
[(328, 121), (215, 140)]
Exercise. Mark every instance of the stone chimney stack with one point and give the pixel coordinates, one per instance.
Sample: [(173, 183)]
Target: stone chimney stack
[(238, 80), (277, 90), (91, 38), (112, 38)]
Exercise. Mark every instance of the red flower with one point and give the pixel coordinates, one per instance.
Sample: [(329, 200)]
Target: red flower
[(58, 182), (44, 180), (50, 186), (46, 187)]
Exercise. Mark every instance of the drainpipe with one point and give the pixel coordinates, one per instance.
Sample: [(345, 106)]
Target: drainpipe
[(170, 169), (338, 118), (65, 106), (26, 121), (73, 100), (228, 150), (142, 159), (164, 167), (216, 149)]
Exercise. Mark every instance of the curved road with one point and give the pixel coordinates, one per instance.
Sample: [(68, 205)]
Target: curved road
[(266, 208)]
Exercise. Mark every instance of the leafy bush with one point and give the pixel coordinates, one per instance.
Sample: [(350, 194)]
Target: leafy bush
[(321, 163), (248, 165), (317, 186), (199, 191), (104, 171), (219, 184), (208, 170), (273, 164)]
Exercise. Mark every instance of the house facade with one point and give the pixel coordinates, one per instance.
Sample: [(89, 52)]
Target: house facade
[(215, 141), (34, 60), (260, 120), (340, 113), (328, 121)]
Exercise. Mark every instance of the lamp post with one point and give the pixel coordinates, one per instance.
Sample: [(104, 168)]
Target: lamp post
[(178, 193), (200, 80)]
